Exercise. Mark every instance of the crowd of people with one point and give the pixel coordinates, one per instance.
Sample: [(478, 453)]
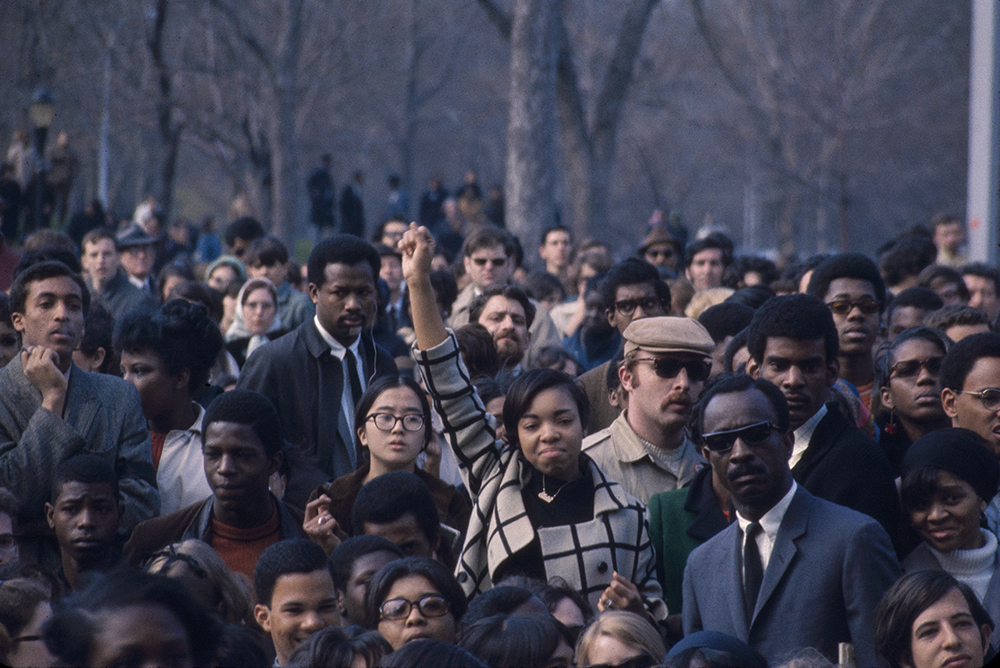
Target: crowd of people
[(415, 452)]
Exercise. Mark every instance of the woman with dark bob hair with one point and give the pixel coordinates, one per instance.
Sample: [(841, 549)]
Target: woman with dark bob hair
[(929, 619), (430, 654), (391, 447), (337, 646), (517, 641), (542, 508), (414, 598)]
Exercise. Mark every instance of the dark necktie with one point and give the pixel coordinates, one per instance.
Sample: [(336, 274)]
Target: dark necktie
[(352, 372), (753, 571)]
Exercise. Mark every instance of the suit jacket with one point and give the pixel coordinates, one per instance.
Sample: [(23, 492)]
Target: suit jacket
[(922, 559), (102, 416), (305, 382), (194, 521), (828, 569), (121, 296), (844, 466), (585, 554)]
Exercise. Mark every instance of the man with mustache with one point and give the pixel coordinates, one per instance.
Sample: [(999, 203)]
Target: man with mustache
[(507, 314), (793, 570), (316, 373), (792, 341), (647, 449)]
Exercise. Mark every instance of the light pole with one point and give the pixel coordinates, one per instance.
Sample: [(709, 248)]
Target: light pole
[(41, 111)]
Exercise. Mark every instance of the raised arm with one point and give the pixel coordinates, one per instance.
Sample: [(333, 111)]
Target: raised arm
[(417, 246)]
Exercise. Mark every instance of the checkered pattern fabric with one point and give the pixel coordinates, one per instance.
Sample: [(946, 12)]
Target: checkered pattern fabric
[(585, 554)]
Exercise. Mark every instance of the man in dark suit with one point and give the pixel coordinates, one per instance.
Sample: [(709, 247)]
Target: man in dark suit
[(108, 282), (793, 571), (793, 343), (352, 206), (51, 410), (316, 373)]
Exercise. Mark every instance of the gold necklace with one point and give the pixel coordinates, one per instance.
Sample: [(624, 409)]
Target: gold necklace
[(545, 496)]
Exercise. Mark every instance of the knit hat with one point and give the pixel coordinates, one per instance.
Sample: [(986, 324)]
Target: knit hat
[(960, 452)]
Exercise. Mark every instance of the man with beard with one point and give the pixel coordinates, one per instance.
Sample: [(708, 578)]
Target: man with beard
[(647, 449), (84, 514), (507, 313), (793, 570), (793, 343)]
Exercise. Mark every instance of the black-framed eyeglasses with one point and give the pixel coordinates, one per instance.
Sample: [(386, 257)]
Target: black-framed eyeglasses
[(641, 661), (387, 421), (911, 368), (665, 253), (172, 556), (722, 442), (430, 605), (668, 367), (483, 261), (868, 306), (648, 304), (990, 397)]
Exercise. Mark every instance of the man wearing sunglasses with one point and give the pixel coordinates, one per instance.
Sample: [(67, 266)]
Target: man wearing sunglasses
[(852, 287), (647, 449), (793, 570), (793, 343), (970, 395)]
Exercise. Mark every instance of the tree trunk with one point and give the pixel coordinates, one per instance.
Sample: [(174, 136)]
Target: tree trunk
[(170, 131), (531, 170), (284, 157)]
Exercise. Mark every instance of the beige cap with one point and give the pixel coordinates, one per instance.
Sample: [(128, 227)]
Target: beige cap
[(658, 235), (669, 334)]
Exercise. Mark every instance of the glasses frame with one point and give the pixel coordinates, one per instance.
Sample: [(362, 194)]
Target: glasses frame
[(921, 364), (867, 305), (701, 366), (628, 306), (420, 603), (374, 417), (981, 395), (733, 434)]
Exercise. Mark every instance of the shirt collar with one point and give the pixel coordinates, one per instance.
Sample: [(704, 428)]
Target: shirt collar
[(804, 434), (337, 349), (770, 522)]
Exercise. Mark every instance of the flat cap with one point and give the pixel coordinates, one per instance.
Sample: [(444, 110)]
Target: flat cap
[(669, 334), (133, 235), (658, 235)]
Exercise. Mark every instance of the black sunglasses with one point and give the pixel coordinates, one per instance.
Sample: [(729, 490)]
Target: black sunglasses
[(868, 306), (722, 442), (668, 367), (641, 661), (911, 368), (648, 304)]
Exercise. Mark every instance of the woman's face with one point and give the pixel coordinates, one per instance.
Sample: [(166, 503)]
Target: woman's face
[(32, 652), (609, 650), (415, 626), (259, 310), (914, 389), (551, 433), (221, 276), (397, 448), (951, 520)]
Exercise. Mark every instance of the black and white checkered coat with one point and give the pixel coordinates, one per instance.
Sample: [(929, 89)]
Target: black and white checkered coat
[(585, 555)]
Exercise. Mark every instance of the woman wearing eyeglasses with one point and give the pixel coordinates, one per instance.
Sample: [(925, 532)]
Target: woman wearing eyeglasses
[(542, 507), (908, 378), (393, 422), (949, 476), (414, 598)]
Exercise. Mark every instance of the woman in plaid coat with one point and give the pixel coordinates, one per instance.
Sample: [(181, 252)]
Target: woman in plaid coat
[(541, 507)]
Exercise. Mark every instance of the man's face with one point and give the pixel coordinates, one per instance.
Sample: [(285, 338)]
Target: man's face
[(393, 232), (706, 268), (633, 302), (138, 260), (236, 465), (755, 473), (392, 272), (557, 249), (352, 601), (53, 315), (983, 294), (594, 318), (950, 291), (405, 532), (660, 405), (239, 247), (661, 255), (905, 317), (100, 260), (967, 410), (946, 634), (504, 318), (158, 388), (488, 266), (801, 370), (277, 273), (85, 518), (9, 552), (301, 605), (949, 235), (857, 329), (345, 303)]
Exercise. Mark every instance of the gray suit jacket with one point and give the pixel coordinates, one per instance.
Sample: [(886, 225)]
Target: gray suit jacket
[(829, 567), (102, 416)]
